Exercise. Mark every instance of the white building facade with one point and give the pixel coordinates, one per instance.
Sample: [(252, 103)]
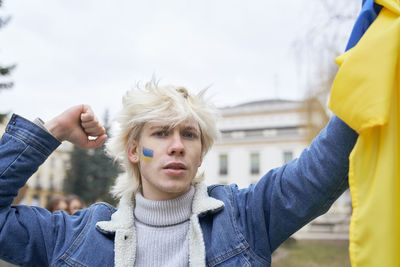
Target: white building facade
[(255, 137), (48, 180)]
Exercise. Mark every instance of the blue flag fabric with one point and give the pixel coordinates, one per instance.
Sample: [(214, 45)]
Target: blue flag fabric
[(368, 14)]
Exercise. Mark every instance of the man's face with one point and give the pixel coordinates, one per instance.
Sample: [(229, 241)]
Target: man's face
[(62, 205), (168, 158), (75, 205)]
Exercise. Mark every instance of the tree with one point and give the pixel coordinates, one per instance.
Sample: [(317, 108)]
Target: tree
[(91, 173), (5, 70), (315, 52)]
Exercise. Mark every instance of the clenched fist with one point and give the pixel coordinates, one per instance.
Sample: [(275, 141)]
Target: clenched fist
[(76, 125)]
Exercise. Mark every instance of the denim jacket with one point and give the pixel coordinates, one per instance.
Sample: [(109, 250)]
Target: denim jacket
[(228, 227)]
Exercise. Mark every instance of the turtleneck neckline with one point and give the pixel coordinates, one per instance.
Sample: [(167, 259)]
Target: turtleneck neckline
[(166, 212)]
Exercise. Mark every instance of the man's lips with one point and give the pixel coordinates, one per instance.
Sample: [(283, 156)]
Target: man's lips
[(175, 166)]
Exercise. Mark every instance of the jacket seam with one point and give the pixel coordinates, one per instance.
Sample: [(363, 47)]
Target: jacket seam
[(337, 189), (212, 187), (330, 197), (232, 215), (71, 262), (108, 206), (41, 230), (251, 251), (16, 158), (22, 137), (81, 235), (228, 255), (243, 242), (257, 257), (31, 137)]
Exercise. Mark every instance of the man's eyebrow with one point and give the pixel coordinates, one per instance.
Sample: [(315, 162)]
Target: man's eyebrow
[(191, 128), (168, 127), (157, 127)]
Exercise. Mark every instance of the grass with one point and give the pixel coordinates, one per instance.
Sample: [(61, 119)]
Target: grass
[(312, 254)]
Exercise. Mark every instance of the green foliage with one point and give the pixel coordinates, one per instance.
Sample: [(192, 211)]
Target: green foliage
[(6, 70), (91, 174), (2, 117)]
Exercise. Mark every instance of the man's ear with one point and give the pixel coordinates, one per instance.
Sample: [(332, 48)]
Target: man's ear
[(200, 161), (133, 154)]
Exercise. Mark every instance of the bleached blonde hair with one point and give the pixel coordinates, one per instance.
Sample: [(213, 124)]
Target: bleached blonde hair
[(154, 103)]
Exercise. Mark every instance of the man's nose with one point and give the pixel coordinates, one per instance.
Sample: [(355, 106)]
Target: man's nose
[(176, 146)]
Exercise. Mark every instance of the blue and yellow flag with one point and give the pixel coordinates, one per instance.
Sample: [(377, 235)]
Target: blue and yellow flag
[(365, 94)]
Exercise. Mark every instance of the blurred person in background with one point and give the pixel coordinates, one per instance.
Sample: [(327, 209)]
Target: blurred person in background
[(57, 203), (75, 203)]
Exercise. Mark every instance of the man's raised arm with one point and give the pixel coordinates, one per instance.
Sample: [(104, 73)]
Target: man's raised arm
[(28, 234)]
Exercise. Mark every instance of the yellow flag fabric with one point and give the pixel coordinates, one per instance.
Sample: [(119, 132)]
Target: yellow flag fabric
[(365, 94)]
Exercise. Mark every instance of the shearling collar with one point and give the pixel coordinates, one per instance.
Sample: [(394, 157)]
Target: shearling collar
[(123, 218), (203, 203)]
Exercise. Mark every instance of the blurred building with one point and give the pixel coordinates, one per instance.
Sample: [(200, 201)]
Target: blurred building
[(3, 124), (48, 180), (261, 135)]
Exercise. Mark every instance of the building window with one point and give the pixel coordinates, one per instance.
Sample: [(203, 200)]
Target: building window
[(255, 163), (287, 156), (37, 182), (35, 200), (67, 164), (223, 164), (51, 183)]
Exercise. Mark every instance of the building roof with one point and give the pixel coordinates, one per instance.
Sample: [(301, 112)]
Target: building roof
[(265, 105)]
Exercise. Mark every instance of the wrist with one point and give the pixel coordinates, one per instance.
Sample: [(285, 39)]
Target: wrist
[(55, 129)]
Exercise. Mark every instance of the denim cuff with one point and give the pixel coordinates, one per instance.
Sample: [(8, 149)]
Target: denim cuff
[(32, 134)]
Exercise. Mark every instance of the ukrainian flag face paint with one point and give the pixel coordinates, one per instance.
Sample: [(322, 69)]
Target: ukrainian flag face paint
[(147, 154)]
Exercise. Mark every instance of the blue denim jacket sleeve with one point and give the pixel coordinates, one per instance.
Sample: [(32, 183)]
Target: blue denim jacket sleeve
[(289, 197), (24, 231)]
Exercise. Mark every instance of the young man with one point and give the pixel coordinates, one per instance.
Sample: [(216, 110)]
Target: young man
[(166, 215)]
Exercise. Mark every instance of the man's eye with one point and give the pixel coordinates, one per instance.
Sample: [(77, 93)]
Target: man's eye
[(190, 135), (160, 133)]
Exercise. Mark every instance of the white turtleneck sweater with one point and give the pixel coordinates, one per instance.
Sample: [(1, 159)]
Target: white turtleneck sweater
[(162, 231)]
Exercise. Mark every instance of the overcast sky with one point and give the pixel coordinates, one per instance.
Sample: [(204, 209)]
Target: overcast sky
[(72, 52)]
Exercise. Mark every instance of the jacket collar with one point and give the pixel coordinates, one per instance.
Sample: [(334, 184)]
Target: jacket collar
[(203, 203), (123, 218)]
